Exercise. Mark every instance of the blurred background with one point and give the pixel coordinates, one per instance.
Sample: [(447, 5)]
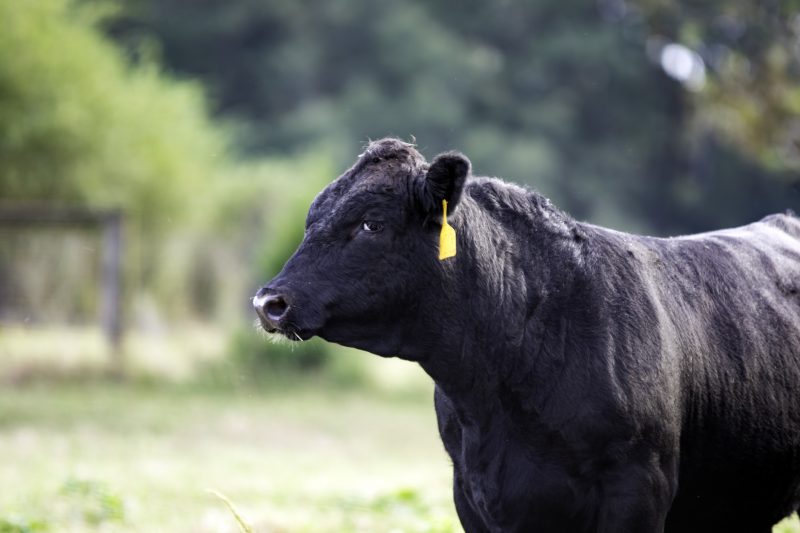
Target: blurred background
[(157, 158)]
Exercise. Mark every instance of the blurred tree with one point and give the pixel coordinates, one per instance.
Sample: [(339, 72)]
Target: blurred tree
[(568, 96), (79, 124), (82, 125), (740, 131), (752, 52)]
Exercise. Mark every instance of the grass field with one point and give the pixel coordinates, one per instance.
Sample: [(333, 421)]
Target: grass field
[(86, 455), (104, 458)]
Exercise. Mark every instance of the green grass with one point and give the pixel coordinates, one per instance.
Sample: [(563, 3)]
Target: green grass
[(83, 455), (103, 458)]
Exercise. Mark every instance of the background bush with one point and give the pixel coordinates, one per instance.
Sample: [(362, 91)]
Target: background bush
[(213, 127)]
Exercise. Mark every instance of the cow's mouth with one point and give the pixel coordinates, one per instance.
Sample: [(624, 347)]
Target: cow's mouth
[(296, 334), (290, 331)]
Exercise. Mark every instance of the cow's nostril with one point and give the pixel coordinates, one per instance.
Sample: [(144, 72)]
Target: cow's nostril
[(270, 306), (276, 307)]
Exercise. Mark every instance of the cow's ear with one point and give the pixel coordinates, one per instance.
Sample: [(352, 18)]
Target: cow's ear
[(444, 180)]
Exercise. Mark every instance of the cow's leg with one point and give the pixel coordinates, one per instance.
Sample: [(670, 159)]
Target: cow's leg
[(636, 499)]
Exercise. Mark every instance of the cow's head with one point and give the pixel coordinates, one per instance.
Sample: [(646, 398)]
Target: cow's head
[(367, 270)]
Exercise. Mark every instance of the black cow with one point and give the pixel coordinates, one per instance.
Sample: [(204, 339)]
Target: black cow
[(586, 379)]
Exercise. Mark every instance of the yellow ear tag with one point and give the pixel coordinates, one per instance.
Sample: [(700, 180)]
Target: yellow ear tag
[(447, 239)]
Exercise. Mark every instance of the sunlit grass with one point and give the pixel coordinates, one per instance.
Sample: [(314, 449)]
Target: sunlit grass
[(142, 459), (243, 525), (30, 353), (306, 456)]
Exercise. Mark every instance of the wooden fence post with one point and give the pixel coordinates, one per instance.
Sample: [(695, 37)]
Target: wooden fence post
[(111, 304), (111, 222)]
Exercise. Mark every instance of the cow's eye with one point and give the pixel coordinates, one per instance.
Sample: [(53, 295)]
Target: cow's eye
[(370, 226)]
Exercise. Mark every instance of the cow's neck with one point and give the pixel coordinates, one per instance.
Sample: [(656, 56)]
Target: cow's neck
[(509, 321)]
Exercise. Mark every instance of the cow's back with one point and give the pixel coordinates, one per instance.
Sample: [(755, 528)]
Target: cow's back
[(733, 300)]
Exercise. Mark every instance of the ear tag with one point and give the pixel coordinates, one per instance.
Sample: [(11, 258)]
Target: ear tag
[(447, 239)]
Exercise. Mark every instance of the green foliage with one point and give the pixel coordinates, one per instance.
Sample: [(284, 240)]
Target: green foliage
[(255, 360), (86, 504), (753, 95), (23, 525), (248, 223), (79, 124), (565, 96), (273, 196), (94, 501), (406, 505)]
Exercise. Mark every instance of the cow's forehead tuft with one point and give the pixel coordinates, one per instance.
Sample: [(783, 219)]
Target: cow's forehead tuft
[(386, 158), (390, 148), (382, 162)]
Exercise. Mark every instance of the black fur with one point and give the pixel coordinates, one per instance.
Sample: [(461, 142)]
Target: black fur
[(586, 379)]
